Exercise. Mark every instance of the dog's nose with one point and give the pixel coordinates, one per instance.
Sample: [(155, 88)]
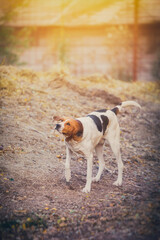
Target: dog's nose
[(57, 126)]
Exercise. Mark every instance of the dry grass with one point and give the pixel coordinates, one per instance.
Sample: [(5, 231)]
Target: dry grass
[(148, 91), (15, 81)]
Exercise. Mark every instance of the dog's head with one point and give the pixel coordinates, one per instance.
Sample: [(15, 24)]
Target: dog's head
[(71, 128)]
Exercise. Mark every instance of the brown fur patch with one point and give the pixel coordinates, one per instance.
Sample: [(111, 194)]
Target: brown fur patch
[(73, 129), (115, 110)]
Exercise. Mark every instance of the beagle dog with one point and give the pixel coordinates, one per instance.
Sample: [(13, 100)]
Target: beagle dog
[(86, 134)]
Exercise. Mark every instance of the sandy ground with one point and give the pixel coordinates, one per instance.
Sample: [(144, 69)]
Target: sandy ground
[(35, 200)]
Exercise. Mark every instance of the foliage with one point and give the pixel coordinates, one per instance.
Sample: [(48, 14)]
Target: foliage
[(12, 41), (9, 9)]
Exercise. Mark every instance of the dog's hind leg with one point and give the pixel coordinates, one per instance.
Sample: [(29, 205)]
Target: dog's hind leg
[(113, 138), (99, 152)]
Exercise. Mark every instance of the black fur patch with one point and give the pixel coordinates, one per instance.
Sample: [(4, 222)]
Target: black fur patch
[(79, 134), (105, 121), (97, 121), (101, 110), (115, 110)]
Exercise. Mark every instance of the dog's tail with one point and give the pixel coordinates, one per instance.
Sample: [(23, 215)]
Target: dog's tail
[(119, 107)]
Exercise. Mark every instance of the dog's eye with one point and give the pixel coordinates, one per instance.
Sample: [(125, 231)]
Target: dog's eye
[(68, 124)]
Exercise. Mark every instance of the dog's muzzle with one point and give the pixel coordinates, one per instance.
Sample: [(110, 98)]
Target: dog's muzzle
[(58, 126)]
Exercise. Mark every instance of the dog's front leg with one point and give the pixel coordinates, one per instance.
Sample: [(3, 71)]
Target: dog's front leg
[(67, 164), (87, 188)]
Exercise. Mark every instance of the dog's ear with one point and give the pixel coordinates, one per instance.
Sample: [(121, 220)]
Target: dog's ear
[(57, 118)]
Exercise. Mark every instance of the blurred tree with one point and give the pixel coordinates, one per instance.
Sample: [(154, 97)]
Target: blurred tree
[(12, 41), (156, 66), (118, 50)]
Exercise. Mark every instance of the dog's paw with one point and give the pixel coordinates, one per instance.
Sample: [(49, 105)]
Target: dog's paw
[(95, 179), (68, 175), (118, 183), (86, 189)]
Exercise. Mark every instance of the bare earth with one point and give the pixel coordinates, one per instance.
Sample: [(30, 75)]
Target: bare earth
[(35, 200)]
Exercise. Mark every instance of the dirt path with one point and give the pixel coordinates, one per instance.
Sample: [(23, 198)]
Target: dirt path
[(36, 202)]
